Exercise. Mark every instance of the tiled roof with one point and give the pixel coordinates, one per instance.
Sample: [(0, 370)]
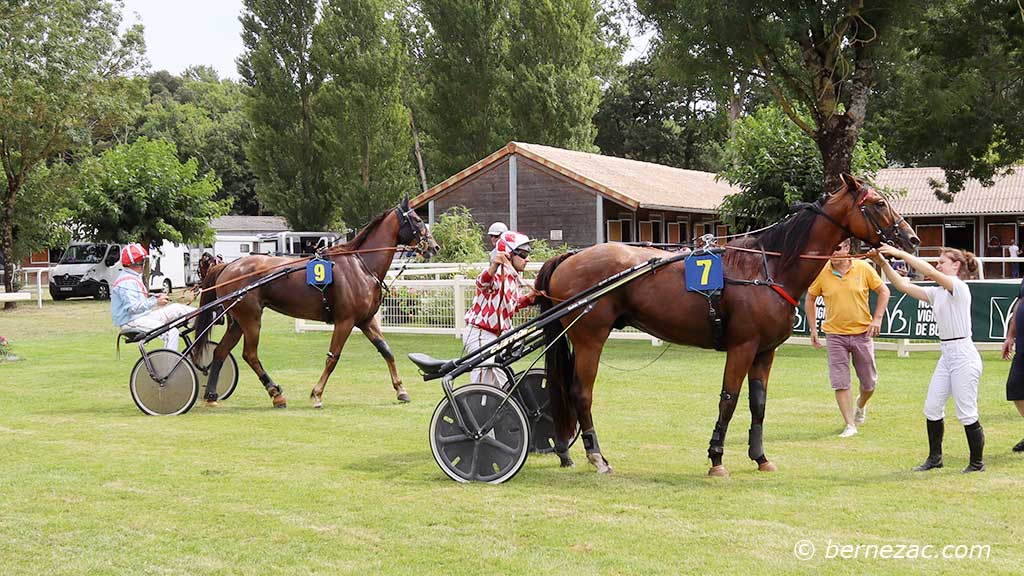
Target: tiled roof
[(1005, 197), (254, 223), (630, 182)]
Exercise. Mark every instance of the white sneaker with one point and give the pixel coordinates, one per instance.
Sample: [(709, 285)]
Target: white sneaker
[(860, 414), (849, 431)]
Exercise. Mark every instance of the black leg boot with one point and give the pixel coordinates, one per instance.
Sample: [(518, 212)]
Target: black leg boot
[(976, 441), (935, 430)]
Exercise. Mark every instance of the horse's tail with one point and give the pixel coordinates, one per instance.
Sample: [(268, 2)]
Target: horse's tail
[(559, 362), (205, 318)]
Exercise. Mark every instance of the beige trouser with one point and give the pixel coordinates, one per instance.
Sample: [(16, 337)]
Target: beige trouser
[(159, 316)]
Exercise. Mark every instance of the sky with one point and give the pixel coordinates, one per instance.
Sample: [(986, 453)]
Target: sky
[(187, 33)]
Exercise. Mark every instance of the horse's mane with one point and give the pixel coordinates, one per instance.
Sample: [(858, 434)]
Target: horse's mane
[(788, 237), (360, 237)]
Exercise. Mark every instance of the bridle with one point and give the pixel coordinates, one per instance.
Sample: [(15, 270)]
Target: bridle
[(888, 235), (409, 233)]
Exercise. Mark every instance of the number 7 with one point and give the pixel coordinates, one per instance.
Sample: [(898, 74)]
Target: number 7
[(706, 265)]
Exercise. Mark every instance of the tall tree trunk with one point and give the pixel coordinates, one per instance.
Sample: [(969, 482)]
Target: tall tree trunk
[(417, 150), (7, 241), (836, 141)]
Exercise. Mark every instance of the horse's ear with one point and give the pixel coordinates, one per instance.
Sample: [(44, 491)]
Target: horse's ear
[(850, 181), (405, 202)]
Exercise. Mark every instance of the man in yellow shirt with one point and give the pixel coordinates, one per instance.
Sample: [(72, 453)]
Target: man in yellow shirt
[(850, 328)]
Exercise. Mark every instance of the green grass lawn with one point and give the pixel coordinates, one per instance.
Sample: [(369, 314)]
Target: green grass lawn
[(88, 485)]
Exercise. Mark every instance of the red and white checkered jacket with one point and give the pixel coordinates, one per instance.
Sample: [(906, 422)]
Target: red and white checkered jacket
[(497, 300)]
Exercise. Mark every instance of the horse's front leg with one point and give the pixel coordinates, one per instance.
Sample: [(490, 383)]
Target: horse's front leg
[(737, 363), (373, 333), (341, 332), (757, 390)]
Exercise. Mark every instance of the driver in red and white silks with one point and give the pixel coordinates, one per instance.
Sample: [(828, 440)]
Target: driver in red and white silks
[(132, 307), (497, 300)]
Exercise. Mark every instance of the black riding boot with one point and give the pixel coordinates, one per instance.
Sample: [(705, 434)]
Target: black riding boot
[(976, 441), (935, 430)]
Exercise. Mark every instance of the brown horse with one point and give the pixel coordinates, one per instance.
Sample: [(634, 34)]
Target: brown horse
[(350, 301), (758, 318)]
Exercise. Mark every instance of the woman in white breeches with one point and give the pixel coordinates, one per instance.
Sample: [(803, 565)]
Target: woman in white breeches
[(959, 369)]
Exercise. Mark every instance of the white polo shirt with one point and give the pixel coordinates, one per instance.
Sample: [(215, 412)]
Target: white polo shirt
[(952, 310)]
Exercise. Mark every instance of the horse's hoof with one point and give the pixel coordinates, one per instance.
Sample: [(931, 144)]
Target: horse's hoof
[(403, 398), (565, 461), (718, 471), (767, 466), (318, 405), (600, 463), (280, 401)]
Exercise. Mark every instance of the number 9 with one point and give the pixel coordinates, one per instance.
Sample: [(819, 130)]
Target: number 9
[(319, 273)]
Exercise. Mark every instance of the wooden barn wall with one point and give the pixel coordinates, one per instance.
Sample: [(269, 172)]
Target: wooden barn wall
[(550, 202), (485, 194)]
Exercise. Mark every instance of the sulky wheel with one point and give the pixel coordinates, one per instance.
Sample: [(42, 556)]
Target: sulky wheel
[(534, 395), (175, 390), (494, 457), (228, 378)]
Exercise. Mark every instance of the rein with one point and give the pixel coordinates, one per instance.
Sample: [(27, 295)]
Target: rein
[(329, 252)]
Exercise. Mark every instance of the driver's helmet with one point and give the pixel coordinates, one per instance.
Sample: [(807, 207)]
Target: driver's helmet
[(514, 242), (133, 253)]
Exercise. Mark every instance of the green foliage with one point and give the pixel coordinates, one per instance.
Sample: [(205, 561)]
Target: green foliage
[(363, 124), (59, 82), (205, 116), (777, 165), (649, 116), (501, 70), (282, 80), (140, 192), (45, 209), (953, 95), (818, 59), (541, 250), (331, 132), (460, 237)]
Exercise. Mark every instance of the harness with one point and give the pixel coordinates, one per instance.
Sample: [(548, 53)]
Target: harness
[(408, 234), (714, 297)]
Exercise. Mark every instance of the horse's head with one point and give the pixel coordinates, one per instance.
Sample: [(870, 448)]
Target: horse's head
[(206, 261), (869, 217), (412, 231)]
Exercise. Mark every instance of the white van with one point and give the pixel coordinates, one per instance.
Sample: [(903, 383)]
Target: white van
[(291, 243), (86, 269), (91, 268)]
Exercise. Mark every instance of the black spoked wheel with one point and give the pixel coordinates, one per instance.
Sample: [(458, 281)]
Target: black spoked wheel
[(534, 395), (493, 457), (173, 392), (228, 378)]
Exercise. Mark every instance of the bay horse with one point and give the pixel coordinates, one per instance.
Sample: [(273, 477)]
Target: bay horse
[(352, 298), (758, 317)]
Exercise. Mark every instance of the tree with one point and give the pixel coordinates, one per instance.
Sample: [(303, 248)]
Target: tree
[(205, 116), (59, 79), (459, 236), (647, 115), (819, 60), (777, 165), (364, 125), (501, 70), (954, 92), (282, 80), (140, 192)]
